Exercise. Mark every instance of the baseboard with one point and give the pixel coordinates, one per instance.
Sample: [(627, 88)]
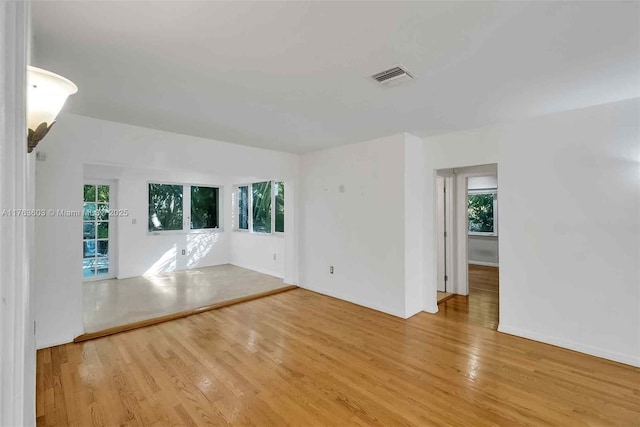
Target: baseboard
[(571, 345), (433, 309), (486, 264), (412, 313), (52, 342), (351, 299), (259, 270)]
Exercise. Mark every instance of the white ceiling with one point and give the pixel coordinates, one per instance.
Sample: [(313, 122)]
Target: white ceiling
[(295, 76)]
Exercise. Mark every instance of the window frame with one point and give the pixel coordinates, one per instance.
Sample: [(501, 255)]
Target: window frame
[(236, 208), (186, 209), (494, 192), (273, 208)]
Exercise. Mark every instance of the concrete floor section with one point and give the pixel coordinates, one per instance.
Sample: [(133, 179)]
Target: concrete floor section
[(117, 302)]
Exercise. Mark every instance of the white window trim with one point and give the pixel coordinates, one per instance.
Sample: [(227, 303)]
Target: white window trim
[(186, 210), (260, 233), (236, 208), (273, 211), (494, 233)]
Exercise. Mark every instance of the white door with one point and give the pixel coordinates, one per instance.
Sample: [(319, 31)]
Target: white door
[(445, 232), (98, 230), (442, 263)]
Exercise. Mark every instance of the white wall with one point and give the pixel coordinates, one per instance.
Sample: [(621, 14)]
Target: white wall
[(569, 236), (483, 249), (257, 251), (357, 201), (359, 230), (76, 141), (414, 220)]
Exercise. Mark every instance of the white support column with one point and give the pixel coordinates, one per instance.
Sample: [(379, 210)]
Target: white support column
[(414, 224), (17, 354)]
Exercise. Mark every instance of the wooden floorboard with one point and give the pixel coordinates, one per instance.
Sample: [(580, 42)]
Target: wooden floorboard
[(303, 359), (483, 278), (443, 296), (482, 304)]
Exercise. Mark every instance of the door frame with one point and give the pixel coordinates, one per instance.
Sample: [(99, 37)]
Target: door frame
[(457, 244), (113, 229)]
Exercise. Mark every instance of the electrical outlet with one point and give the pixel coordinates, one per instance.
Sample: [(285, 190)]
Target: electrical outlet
[(331, 269), (184, 252), (274, 256)]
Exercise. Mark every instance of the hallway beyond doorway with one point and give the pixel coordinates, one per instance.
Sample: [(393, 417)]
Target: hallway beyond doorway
[(481, 306), (483, 278)]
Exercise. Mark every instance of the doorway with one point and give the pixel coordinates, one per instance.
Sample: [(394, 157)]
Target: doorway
[(467, 242), (98, 231)]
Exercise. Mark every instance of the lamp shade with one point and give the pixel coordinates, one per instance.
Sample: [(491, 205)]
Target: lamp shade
[(46, 95)]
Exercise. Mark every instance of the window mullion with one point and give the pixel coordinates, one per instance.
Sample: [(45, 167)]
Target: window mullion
[(250, 213), (273, 206), (186, 197), (495, 213)]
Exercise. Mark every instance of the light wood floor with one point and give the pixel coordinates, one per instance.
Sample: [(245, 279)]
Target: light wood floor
[(303, 359), (483, 278), (482, 305), (443, 296)]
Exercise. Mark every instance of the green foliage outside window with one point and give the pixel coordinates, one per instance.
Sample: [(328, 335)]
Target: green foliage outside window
[(103, 193), (243, 207), (261, 206), (89, 193), (279, 206), (204, 207), (480, 212), (99, 193), (165, 207)]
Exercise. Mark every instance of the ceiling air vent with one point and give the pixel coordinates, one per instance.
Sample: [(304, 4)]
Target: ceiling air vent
[(393, 76)]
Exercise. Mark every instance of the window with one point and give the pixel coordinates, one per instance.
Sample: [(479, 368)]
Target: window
[(204, 207), (482, 211), (279, 206), (165, 207), (265, 201), (243, 207), (261, 194), (168, 202)]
